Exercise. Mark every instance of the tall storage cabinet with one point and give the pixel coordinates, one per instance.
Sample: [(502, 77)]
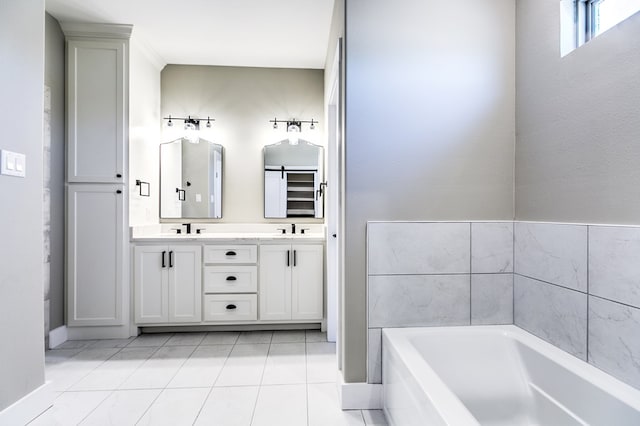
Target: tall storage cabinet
[(97, 141)]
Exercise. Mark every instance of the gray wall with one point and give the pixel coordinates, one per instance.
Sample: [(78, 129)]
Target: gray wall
[(54, 78), (21, 117), (577, 120), (430, 127), (242, 101)]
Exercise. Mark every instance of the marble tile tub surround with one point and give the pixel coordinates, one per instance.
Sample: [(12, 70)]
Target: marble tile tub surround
[(578, 287), (434, 274)]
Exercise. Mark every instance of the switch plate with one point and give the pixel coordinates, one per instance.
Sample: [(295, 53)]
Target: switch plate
[(12, 163)]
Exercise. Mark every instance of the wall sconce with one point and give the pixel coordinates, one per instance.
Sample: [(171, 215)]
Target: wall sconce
[(191, 126), (144, 188), (294, 128)]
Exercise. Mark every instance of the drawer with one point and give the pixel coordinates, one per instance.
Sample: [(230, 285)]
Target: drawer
[(230, 307), (231, 254), (230, 279)]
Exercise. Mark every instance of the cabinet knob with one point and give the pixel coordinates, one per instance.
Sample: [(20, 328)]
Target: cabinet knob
[(231, 307), (119, 191), (119, 175)]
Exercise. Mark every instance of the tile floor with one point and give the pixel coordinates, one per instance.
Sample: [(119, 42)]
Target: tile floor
[(257, 378)]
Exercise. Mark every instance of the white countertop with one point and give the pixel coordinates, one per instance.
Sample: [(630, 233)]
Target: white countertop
[(232, 232)]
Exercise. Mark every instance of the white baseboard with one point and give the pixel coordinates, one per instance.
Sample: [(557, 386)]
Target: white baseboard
[(359, 396), (98, 332), (29, 406), (58, 336)]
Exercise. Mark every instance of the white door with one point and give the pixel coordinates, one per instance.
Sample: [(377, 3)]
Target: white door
[(275, 282), (97, 114), (95, 278), (275, 194), (185, 284), (307, 279), (151, 289)]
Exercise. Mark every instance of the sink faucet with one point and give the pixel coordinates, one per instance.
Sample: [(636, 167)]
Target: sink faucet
[(293, 228), (188, 225)]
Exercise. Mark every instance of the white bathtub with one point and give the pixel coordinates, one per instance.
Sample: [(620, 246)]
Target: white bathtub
[(495, 375)]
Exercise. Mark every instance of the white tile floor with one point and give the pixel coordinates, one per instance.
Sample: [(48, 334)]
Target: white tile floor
[(260, 378)]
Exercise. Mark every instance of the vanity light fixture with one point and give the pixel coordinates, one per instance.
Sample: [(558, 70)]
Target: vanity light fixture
[(191, 126), (294, 127)]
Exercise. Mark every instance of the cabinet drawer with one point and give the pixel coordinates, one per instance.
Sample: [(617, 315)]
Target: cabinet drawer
[(231, 254), (230, 279), (230, 307)]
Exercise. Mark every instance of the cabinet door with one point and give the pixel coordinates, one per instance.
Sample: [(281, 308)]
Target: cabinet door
[(275, 194), (95, 235), (275, 282), (97, 110), (307, 282), (151, 284), (185, 284)]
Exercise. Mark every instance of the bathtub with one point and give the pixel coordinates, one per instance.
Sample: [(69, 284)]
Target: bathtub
[(495, 375)]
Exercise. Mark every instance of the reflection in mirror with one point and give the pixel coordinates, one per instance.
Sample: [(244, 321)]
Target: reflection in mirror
[(292, 177), (190, 179)]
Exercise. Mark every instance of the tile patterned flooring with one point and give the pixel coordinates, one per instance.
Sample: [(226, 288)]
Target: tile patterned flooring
[(257, 378)]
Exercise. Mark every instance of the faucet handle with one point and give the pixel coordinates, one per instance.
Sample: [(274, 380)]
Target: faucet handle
[(304, 229)]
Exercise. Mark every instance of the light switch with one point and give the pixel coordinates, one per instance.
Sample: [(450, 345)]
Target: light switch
[(12, 163)]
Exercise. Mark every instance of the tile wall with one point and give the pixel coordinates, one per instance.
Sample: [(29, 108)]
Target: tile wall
[(575, 286), (578, 287), (436, 274)]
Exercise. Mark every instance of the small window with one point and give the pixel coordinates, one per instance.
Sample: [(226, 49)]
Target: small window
[(583, 20)]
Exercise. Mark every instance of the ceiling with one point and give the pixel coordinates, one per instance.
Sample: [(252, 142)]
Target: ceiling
[(255, 33)]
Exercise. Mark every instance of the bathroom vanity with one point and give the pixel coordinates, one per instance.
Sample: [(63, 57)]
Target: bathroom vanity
[(225, 277)]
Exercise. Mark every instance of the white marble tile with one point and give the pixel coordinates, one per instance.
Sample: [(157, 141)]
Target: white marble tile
[(491, 299), (374, 356), (122, 408), (175, 407), (324, 408), (58, 356), (76, 344), (202, 368), (150, 340), (65, 374), (286, 364), (185, 339), (232, 406), (288, 336), (220, 338), (322, 362), (614, 263), (418, 248), (244, 366), (158, 370), (282, 405), (254, 337), (614, 339), (554, 253), (70, 408), (419, 300), (374, 418), (113, 372), (555, 314), (314, 336), (491, 247)]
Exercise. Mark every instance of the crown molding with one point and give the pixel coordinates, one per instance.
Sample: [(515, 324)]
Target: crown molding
[(83, 29)]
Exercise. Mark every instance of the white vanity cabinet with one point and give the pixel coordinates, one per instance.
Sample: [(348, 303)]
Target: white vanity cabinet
[(168, 284), (291, 281)]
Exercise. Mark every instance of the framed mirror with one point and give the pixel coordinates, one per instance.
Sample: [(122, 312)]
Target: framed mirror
[(190, 179), (293, 176)]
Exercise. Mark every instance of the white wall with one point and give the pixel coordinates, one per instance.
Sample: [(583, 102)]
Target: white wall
[(577, 118), (21, 273), (242, 101), (430, 125), (144, 133)]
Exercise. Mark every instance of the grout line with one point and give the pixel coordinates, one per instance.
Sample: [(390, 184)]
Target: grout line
[(553, 284)]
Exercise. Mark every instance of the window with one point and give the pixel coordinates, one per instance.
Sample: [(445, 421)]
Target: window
[(583, 20)]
